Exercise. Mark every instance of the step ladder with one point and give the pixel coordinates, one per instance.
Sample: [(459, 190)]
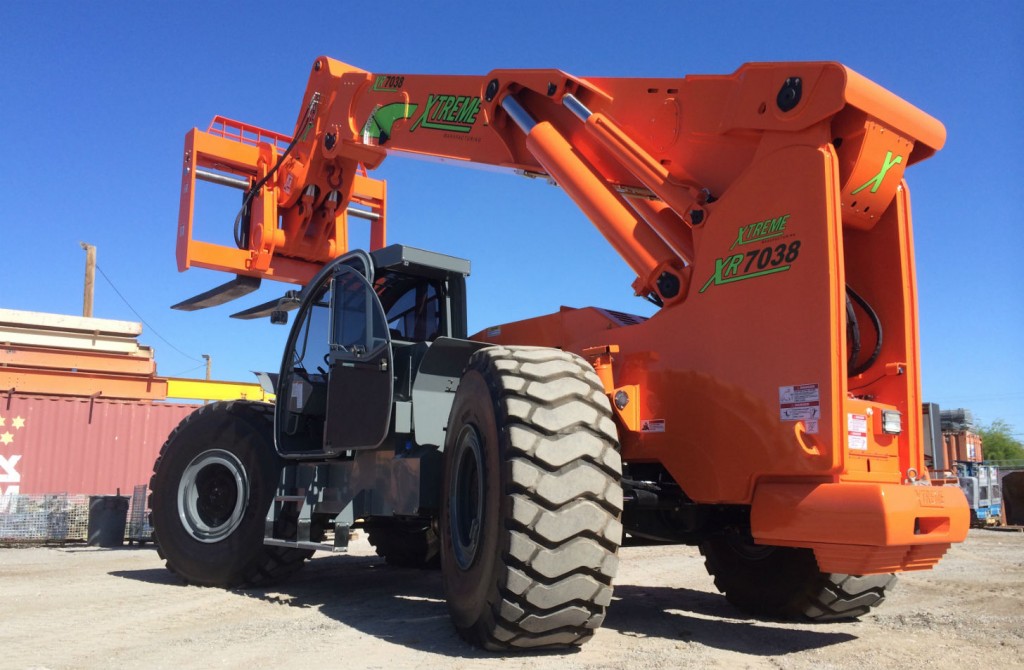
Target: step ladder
[(298, 504)]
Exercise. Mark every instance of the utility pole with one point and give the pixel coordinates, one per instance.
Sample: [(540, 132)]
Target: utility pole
[(209, 362), (90, 277)]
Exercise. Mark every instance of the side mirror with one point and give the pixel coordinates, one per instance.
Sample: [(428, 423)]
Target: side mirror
[(288, 302)]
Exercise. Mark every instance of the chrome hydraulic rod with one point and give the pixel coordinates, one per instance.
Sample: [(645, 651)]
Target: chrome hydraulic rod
[(222, 179), (518, 114), (657, 266), (572, 103), (243, 185)]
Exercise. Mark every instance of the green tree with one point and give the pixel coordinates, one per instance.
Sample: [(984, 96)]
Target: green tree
[(998, 442)]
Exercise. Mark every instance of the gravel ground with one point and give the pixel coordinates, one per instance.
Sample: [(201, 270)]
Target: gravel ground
[(78, 607)]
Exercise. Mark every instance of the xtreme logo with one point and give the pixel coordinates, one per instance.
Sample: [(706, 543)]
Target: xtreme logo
[(762, 230), (448, 112), (454, 113)]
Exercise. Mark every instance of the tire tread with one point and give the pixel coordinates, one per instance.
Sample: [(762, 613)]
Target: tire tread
[(788, 585), (268, 564), (564, 529)]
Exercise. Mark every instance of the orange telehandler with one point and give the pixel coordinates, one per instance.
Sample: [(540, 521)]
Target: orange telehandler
[(768, 412)]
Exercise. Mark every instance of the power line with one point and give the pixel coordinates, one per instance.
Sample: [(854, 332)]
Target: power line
[(185, 372), (151, 328)]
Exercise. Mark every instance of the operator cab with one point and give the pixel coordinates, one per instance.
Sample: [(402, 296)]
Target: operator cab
[(363, 327)]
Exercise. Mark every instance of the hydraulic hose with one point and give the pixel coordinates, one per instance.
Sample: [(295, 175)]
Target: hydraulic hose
[(241, 232), (861, 368)]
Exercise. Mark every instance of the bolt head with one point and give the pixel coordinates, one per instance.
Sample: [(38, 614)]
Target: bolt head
[(492, 90)]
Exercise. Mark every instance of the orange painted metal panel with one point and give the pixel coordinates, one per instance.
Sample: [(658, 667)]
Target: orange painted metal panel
[(877, 517), (707, 377), (54, 444), (846, 514), (66, 382), (76, 359)]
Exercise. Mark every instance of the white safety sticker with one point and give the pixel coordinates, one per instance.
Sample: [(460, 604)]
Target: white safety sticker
[(652, 426), (857, 431), (801, 402), (811, 426)]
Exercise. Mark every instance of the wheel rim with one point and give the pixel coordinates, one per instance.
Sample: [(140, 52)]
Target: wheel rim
[(212, 495), (466, 498)]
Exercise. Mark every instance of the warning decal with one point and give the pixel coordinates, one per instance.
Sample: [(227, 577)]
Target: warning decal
[(857, 431), (652, 426), (799, 403)]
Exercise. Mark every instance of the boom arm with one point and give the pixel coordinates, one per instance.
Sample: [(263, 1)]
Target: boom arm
[(644, 159)]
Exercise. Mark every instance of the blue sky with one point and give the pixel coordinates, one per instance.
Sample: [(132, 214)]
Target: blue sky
[(95, 99)]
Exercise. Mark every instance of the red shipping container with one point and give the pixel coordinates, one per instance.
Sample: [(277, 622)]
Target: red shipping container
[(963, 446), (92, 446), (973, 446)]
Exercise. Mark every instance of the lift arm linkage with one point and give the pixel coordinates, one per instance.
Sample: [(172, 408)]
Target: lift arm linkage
[(644, 159)]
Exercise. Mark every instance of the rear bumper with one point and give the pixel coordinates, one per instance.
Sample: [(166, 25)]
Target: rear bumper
[(862, 528)]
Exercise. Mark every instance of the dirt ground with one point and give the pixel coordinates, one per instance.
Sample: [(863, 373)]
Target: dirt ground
[(79, 607)]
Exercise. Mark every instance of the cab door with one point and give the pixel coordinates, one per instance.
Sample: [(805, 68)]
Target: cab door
[(360, 382)]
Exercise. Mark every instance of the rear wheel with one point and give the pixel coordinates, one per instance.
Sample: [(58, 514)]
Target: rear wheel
[(531, 500), (211, 488), (405, 544), (785, 582)]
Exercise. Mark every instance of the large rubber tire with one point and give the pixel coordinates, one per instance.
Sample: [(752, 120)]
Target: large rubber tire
[(785, 582), (405, 544), (211, 488), (531, 500)]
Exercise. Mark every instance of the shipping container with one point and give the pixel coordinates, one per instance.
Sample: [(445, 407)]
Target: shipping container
[(963, 446), (92, 446)]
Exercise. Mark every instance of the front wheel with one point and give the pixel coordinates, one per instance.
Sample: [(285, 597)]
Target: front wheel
[(785, 582), (211, 489), (531, 500)]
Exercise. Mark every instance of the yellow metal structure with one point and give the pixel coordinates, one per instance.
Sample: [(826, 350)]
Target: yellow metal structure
[(198, 389)]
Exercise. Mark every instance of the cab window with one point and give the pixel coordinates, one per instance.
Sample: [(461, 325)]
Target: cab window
[(358, 328), (412, 306)]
